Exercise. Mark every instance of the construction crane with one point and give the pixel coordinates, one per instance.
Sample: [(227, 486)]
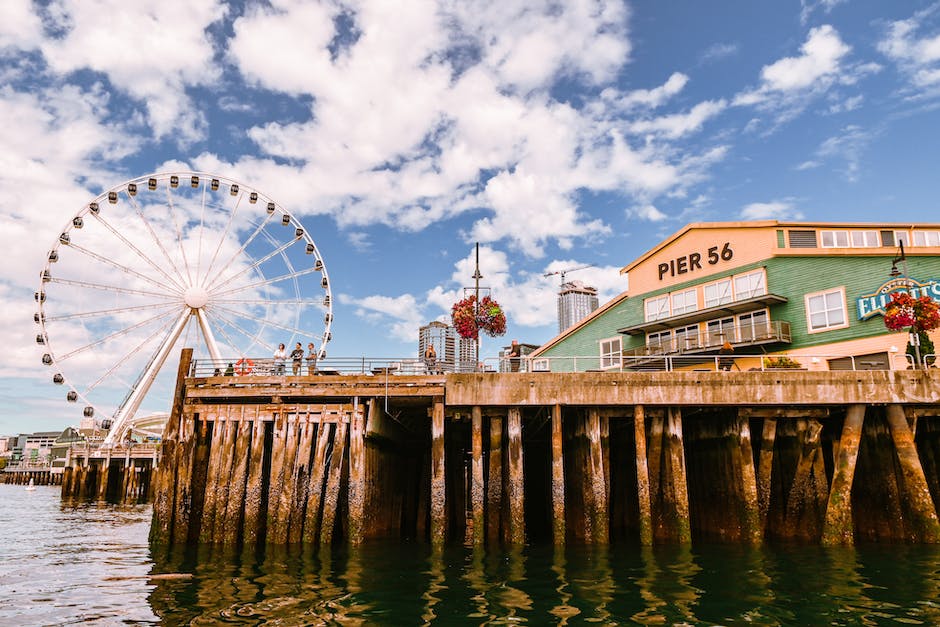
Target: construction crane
[(566, 271)]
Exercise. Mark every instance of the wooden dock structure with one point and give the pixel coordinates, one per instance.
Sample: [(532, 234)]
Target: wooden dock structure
[(510, 458)]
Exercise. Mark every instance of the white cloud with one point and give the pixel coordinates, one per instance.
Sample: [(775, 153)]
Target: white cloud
[(679, 124), (918, 57), (647, 212), (151, 49), (20, 27), (719, 51), (848, 147), (648, 98), (807, 7), (775, 210), (403, 311)]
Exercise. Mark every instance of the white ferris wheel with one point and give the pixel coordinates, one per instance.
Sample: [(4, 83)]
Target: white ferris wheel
[(166, 260)]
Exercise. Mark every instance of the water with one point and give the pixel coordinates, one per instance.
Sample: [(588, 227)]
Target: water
[(91, 565)]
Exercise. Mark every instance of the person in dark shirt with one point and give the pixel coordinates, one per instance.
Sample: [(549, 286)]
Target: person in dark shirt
[(297, 358)]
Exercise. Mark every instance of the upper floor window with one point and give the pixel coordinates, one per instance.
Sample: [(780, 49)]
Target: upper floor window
[(826, 310), (611, 351), (749, 285), (902, 237), (683, 302), (660, 340), (926, 238), (865, 239), (834, 239), (657, 308), (718, 293)]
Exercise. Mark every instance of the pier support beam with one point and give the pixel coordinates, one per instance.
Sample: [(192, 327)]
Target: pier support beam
[(558, 478), (838, 528), (357, 489), (642, 476), (597, 508), (765, 464), (750, 515), (515, 489), (476, 475), (919, 503), (438, 483), (494, 484), (669, 488)]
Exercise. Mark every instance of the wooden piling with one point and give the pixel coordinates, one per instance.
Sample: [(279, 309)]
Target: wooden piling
[(301, 484), (494, 484), (254, 496), (515, 485), (675, 485), (642, 476), (476, 472), (311, 532), (356, 489), (438, 480), (558, 478), (231, 531), (752, 531), (920, 506), (331, 497), (765, 468), (596, 507), (838, 526)]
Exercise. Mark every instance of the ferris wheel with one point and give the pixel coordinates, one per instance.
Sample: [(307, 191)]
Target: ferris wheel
[(166, 260)]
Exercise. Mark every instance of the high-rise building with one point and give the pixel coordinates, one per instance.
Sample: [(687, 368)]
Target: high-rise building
[(454, 353), (575, 302)]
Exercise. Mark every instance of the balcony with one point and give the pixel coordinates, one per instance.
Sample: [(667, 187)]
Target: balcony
[(744, 335)]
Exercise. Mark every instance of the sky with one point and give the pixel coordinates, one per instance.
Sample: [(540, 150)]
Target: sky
[(400, 134)]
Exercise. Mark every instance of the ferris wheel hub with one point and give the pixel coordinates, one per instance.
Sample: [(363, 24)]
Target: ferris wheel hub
[(196, 297)]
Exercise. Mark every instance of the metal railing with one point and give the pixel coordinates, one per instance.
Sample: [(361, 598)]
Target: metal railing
[(266, 366), (738, 335)]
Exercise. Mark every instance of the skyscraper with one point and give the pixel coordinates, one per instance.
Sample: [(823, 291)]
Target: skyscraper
[(453, 352), (575, 301)]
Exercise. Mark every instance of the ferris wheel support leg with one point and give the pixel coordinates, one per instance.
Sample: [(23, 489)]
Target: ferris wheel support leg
[(126, 411), (207, 334)]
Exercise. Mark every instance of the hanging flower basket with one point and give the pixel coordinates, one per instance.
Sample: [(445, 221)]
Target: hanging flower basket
[(906, 312), (490, 320)]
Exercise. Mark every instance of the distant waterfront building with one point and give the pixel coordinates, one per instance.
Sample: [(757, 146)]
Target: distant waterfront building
[(453, 351), (575, 302), (813, 292)]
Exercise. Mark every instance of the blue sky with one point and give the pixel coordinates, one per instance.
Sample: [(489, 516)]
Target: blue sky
[(399, 134)]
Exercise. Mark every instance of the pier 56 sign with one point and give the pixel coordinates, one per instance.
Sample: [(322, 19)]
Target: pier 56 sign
[(873, 304)]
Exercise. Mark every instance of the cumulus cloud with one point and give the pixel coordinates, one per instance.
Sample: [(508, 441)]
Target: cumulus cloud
[(647, 212), (145, 49), (774, 210), (916, 53)]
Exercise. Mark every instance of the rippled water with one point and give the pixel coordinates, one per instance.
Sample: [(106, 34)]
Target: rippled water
[(92, 565)]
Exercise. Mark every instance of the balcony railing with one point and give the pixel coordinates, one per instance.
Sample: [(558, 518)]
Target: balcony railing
[(770, 332)]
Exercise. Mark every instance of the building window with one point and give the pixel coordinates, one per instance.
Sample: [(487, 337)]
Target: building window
[(611, 352), (687, 338), (657, 308), (749, 285), (719, 331), (826, 310), (926, 238), (754, 326), (683, 302), (802, 239), (660, 341), (718, 293), (865, 239), (902, 237), (834, 239)]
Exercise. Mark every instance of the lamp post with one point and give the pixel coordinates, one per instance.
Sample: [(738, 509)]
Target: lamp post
[(476, 309)]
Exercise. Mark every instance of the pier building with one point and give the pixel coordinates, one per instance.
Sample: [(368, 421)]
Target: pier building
[(812, 291)]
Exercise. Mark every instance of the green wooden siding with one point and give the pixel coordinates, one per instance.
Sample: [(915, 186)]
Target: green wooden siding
[(792, 277)]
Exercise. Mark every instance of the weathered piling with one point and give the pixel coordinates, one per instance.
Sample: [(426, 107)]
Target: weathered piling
[(593, 457)]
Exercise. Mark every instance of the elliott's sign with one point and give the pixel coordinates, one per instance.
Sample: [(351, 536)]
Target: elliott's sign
[(873, 304)]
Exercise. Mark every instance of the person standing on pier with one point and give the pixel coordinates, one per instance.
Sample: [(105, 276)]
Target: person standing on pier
[(430, 359), (280, 359), (311, 359), (297, 358), (515, 354), (726, 360)]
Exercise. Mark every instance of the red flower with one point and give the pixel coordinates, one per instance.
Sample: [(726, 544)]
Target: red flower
[(468, 323), (919, 314)]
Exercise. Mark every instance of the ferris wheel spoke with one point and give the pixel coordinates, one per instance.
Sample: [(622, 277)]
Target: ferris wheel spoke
[(225, 234), (123, 268), (157, 240), (254, 338), (150, 262), (271, 281), (179, 237), (110, 373), (111, 288), (244, 246), (319, 302), (265, 321), (108, 312), (257, 263), (114, 335)]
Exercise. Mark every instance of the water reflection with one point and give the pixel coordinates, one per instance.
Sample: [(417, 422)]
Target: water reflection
[(397, 584)]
